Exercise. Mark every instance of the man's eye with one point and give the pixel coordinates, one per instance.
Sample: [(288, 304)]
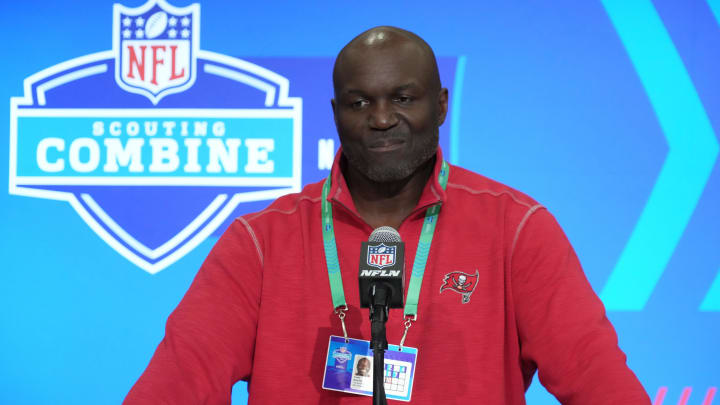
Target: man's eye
[(359, 104), (403, 99)]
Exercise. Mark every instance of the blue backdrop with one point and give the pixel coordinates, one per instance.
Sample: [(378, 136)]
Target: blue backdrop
[(604, 111)]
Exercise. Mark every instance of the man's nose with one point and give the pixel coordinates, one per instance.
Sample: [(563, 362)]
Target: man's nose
[(382, 116)]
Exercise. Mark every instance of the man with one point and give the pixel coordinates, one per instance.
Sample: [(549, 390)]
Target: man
[(363, 367), (260, 308)]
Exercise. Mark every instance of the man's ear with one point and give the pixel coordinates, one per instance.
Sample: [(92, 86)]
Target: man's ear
[(442, 105), (332, 105)]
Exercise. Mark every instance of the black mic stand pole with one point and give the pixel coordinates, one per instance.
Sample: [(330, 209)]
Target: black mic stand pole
[(380, 302)]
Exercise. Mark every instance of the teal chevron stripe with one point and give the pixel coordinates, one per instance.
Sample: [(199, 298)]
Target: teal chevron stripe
[(715, 7), (712, 299), (455, 111), (693, 150)]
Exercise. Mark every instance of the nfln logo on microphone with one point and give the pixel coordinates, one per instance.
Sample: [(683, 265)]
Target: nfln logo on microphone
[(155, 142)]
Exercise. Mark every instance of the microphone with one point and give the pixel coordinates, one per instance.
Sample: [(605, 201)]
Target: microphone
[(382, 261), (382, 279)]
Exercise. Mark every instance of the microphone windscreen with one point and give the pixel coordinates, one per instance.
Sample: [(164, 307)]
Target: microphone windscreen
[(385, 234)]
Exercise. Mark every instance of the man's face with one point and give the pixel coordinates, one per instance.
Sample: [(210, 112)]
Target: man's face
[(363, 367), (387, 110)]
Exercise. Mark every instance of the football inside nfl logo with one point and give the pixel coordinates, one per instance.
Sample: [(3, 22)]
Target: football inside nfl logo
[(381, 256)]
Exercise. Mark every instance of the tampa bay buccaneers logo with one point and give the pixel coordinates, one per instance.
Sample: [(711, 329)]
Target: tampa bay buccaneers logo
[(462, 283)]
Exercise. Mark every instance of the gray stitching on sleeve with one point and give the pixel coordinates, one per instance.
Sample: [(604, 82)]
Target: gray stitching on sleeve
[(491, 192), (520, 227), (286, 212), (254, 238)]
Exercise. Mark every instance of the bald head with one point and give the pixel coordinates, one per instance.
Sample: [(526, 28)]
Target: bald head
[(388, 105), (385, 39)]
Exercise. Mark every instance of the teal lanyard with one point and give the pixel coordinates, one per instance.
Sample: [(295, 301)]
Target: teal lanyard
[(421, 256)]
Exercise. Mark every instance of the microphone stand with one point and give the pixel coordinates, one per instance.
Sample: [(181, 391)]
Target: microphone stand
[(380, 303)]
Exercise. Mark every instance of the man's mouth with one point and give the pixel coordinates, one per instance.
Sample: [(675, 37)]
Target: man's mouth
[(386, 145)]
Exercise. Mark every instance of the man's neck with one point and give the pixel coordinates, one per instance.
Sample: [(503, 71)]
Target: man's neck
[(387, 203)]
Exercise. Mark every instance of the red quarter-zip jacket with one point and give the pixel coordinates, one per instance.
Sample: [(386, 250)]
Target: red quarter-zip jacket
[(260, 307)]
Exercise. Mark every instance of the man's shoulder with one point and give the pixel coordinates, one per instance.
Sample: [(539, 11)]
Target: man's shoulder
[(477, 186), (289, 204)]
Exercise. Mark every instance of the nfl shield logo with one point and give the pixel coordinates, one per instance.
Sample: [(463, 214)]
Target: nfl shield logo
[(156, 47), (381, 256)]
